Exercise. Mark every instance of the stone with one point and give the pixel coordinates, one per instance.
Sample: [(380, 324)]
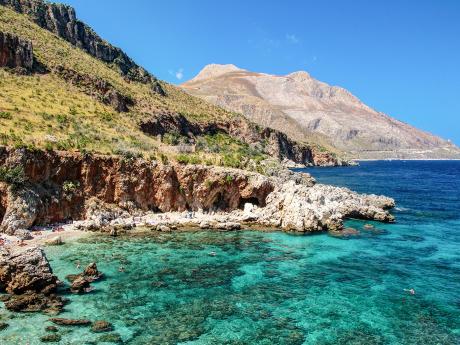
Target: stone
[(101, 326), (91, 273), (3, 325), (35, 302), (56, 241), (79, 285), (368, 226), (163, 228), (25, 271), (52, 329), (70, 322), (51, 338)]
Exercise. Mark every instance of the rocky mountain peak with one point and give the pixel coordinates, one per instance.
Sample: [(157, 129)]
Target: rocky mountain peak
[(216, 70), (300, 76)]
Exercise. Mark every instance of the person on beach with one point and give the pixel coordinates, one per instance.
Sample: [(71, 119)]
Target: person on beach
[(411, 291)]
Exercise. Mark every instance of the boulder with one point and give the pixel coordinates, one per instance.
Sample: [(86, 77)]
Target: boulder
[(101, 326), (56, 241)]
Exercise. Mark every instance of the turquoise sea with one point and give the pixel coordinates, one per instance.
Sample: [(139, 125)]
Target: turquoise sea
[(277, 288)]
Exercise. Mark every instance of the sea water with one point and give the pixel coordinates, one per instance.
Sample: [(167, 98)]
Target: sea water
[(248, 287)]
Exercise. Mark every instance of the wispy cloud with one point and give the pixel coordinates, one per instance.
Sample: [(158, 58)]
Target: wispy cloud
[(292, 38)]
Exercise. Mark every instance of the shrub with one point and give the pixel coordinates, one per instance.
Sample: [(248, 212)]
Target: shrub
[(228, 179), (5, 115), (14, 176), (164, 159), (70, 187)]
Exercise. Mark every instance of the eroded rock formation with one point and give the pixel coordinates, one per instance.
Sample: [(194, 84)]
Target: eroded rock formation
[(289, 202), (28, 279)]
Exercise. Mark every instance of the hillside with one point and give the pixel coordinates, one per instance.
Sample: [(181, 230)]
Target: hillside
[(63, 87), (308, 109)]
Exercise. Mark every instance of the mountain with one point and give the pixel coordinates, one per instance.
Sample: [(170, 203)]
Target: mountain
[(64, 87), (310, 110)]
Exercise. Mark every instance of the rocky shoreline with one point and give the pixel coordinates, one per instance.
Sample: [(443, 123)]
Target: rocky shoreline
[(115, 196)]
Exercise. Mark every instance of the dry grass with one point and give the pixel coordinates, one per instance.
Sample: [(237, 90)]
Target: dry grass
[(45, 111)]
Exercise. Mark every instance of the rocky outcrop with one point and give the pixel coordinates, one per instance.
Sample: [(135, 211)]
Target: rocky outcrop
[(16, 53), (304, 107), (80, 283), (132, 184), (277, 143), (97, 88), (28, 279), (62, 21), (111, 189)]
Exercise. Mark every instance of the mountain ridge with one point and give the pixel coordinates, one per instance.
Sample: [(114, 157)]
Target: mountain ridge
[(317, 109)]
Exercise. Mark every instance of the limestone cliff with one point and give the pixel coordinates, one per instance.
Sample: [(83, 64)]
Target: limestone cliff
[(56, 186)]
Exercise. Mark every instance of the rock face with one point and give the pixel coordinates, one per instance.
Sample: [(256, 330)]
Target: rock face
[(304, 107), (27, 276), (16, 52), (98, 88), (139, 184), (278, 143), (320, 207), (111, 187), (62, 21)]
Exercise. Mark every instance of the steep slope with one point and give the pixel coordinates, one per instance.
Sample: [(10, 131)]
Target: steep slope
[(304, 107), (63, 87)]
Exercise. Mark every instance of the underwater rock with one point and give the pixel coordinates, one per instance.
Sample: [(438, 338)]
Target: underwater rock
[(101, 326), (3, 325), (33, 302), (51, 338), (110, 338), (53, 329), (70, 322), (368, 226)]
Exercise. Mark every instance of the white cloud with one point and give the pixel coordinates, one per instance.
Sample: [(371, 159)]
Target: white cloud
[(291, 38), (179, 74)]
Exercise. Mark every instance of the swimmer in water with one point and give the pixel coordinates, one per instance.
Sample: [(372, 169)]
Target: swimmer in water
[(411, 291), (78, 264), (121, 269), (213, 253)]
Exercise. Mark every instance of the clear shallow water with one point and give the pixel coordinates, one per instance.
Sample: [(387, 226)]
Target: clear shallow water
[(275, 288)]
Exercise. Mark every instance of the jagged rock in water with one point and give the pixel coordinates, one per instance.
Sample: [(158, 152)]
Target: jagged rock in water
[(16, 52), (27, 276)]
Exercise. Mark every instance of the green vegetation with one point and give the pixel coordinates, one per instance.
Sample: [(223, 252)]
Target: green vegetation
[(13, 176), (70, 187), (44, 111), (5, 115)]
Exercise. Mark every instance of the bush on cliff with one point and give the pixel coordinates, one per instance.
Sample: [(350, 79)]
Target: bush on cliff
[(13, 176)]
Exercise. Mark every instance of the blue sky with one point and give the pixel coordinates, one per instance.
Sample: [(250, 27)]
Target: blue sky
[(400, 57)]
